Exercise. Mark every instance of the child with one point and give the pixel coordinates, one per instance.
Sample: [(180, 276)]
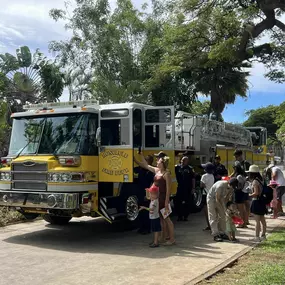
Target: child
[(230, 226), (207, 181), (154, 214), (274, 203)]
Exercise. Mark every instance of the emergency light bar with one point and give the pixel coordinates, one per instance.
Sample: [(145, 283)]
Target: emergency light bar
[(69, 104)]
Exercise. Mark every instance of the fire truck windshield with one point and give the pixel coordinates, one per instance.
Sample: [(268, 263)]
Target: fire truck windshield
[(57, 134)]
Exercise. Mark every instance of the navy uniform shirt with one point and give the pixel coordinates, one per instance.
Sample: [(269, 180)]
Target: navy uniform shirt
[(184, 177)]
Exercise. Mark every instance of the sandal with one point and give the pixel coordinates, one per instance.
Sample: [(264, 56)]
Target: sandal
[(154, 245), (168, 243)]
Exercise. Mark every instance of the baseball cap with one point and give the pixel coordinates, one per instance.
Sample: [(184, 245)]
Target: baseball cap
[(233, 180), (160, 154), (208, 166)]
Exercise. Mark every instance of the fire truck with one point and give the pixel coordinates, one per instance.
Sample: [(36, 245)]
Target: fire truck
[(73, 159)]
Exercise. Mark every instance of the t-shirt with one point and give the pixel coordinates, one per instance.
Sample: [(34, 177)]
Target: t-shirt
[(208, 180), (153, 209), (221, 187), (280, 176)]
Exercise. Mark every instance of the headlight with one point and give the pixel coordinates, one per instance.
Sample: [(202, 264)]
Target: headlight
[(55, 177), (5, 176), (66, 177)]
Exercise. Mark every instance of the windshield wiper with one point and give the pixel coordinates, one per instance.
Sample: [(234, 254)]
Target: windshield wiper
[(36, 133), (22, 149)]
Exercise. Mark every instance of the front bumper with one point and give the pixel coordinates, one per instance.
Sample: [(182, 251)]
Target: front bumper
[(62, 201)]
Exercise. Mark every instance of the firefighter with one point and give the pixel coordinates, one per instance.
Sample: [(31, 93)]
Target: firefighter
[(220, 169), (144, 180), (185, 177)]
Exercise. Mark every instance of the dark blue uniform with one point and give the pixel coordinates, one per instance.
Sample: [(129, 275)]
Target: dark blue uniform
[(144, 180), (184, 177)]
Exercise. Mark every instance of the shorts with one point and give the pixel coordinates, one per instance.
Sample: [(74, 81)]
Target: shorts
[(155, 225), (280, 192), (258, 208), (239, 197)]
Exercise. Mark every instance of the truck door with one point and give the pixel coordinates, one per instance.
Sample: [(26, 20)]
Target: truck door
[(159, 128), (115, 151)]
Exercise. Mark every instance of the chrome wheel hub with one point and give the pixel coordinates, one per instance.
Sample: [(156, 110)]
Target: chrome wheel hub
[(132, 208)]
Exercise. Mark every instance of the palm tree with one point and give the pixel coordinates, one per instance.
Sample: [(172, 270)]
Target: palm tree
[(32, 78), (223, 84)]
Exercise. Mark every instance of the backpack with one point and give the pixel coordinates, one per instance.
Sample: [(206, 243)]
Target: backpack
[(266, 194)]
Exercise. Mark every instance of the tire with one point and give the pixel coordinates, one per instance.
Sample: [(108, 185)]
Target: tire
[(197, 202), (132, 208), (56, 220)]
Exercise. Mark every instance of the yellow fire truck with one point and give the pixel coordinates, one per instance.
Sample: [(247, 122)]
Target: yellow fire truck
[(73, 159)]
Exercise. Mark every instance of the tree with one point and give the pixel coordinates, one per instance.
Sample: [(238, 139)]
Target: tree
[(29, 78), (110, 41), (263, 117), (280, 121)]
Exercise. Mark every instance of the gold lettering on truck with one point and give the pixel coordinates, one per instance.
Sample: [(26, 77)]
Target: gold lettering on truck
[(115, 162)]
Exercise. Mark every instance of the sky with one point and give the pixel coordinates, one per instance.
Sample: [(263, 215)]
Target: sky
[(27, 22)]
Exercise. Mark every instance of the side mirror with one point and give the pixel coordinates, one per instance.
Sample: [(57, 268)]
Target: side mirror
[(98, 137)]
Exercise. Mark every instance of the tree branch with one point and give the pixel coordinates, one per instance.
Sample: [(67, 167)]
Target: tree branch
[(280, 25)]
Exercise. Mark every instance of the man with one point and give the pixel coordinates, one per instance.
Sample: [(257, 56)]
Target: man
[(220, 169), (220, 193), (185, 177), (278, 176), (144, 180), (238, 154)]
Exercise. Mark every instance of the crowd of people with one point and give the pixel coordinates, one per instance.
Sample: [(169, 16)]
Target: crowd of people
[(229, 200)]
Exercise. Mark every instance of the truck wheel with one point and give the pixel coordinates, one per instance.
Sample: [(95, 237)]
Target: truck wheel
[(132, 208), (197, 202), (56, 220)]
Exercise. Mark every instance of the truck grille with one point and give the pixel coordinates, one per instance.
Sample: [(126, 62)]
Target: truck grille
[(29, 175)]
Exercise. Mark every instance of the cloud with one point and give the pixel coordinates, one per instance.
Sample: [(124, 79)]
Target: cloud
[(29, 24)]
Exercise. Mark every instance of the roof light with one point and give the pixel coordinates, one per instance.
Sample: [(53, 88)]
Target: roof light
[(70, 104)]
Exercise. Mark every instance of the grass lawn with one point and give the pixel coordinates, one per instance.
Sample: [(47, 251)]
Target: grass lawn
[(264, 265)]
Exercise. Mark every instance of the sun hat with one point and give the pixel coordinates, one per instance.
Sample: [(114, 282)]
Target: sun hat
[(152, 188), (253, 169), (273, 183), (160, 154)]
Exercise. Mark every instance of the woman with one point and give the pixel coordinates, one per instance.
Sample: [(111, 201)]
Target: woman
[(239, 195), (258, 206), (162, 179)]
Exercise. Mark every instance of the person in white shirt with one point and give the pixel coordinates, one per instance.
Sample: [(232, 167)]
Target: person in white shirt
[(154, 214), (278, 176), (206, 182)]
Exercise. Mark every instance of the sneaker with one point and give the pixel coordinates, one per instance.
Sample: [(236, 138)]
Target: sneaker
[(235, 240), (218, 239), (224, 236), (263, 237), (154, 245), (256, 239)]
